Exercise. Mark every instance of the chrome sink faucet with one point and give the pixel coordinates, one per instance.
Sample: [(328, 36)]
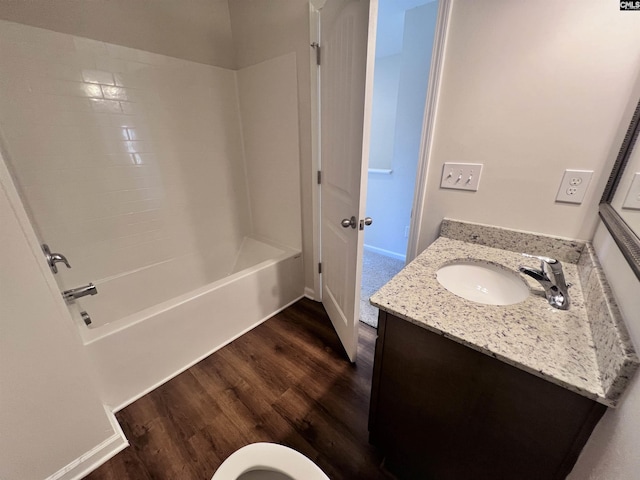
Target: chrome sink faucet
[(551, 277)]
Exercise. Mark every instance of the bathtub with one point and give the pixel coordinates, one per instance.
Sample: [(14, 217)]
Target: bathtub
[(140, 335)]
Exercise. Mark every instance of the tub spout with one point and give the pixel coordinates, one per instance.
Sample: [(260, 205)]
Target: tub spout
[(79, 292)]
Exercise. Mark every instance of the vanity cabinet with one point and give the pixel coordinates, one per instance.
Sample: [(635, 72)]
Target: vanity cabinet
[(443, 411)]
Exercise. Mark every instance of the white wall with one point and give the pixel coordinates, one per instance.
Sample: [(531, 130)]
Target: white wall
[(201, 32), (390, 197), (386, 81), (269, 109), (266, 29), (126, 158), (612, 450), (50, 413), (530, 89)]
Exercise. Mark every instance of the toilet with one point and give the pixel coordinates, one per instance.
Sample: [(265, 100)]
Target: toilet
[(268, 461)]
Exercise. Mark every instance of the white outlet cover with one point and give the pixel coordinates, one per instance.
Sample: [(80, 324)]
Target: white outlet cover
[(632, 200), (461, 176), (573, 186)]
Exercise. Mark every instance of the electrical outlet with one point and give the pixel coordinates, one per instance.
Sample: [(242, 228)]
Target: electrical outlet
[(573, 186), (461, 176), (632, 200)]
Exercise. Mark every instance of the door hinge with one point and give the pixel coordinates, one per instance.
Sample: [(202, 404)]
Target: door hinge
[(319, 177), (319, 267), (316, 46)]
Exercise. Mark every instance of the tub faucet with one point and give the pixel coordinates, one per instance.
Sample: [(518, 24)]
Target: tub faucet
[(79, 292), (551, 277)]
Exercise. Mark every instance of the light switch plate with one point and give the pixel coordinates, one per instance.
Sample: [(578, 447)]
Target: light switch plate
[(461, 176), (573, 186), (632, 200)]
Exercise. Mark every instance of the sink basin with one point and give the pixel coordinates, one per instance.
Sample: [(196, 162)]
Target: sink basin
[(483, 283)]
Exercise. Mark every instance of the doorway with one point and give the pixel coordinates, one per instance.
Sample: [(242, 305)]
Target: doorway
[(404, 42)]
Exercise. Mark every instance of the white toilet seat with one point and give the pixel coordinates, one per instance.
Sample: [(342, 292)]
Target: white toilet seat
[(270, 457)]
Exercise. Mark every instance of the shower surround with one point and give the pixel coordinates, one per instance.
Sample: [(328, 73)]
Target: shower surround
[(157, 178)]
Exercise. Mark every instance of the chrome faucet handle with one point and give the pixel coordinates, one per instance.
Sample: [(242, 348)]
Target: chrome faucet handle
[(548, 260), (53, 258), (547, 263), (551, 277)]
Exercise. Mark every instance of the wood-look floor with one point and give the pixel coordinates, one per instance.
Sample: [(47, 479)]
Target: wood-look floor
[(287, 381)]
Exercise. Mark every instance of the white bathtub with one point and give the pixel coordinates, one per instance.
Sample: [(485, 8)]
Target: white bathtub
[(134, 352)]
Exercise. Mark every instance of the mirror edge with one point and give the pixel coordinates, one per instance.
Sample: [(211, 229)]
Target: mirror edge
[(625, 238)]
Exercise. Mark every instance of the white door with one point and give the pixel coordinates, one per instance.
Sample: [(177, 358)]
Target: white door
[(344, 31)]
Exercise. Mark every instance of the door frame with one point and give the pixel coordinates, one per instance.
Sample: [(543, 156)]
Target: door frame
[(436, 70), (426, 142), (314, 37)]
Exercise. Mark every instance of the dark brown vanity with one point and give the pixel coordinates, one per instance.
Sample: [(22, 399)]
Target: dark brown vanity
[(468, 390), (443, 411)]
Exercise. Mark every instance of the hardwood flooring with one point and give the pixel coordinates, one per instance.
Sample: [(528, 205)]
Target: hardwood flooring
[(287, 381)]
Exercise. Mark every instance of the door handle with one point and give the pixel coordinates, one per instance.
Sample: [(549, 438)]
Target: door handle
[(366, 221), (349, 222)]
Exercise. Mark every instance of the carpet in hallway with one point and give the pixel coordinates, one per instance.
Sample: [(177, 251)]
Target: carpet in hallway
[(376, 271)]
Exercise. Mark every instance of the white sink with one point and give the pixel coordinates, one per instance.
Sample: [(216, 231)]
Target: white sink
[(483, 282)]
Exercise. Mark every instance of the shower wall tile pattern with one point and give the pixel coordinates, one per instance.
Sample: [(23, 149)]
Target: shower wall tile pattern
[(125, 158)]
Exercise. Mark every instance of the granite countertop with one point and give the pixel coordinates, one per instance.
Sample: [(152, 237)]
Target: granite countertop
[(553, 344)]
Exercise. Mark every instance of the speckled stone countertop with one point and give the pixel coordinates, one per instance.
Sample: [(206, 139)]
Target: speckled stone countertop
[(556, 345)]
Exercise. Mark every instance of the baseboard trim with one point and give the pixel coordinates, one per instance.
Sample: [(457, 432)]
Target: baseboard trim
[(88, 462), (386, 253), (309, 293)]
